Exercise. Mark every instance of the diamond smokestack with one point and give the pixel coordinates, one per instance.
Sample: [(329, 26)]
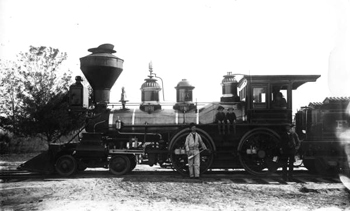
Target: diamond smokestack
[(101, 69)]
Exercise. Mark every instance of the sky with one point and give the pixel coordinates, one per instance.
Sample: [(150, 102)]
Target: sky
[(195, 40)]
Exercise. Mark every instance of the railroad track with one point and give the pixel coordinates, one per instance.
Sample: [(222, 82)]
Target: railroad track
[(6, 175), (239, 177)]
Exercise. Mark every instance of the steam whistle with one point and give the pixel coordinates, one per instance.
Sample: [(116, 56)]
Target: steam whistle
[(123, 98)]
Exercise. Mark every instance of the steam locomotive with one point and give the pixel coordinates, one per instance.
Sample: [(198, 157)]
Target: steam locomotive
[(153, 133)]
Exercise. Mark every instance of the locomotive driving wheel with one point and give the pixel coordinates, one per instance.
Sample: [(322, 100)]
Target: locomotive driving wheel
[(179, 157), (257, 151), (119, 164), (66, 165)]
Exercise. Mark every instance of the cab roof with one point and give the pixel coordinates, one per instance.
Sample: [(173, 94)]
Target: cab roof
[(295, 80)]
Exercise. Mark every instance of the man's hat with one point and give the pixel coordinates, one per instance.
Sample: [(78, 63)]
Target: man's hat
[(78, 78), (104, 48), (220, 108), (230, 108), (192, 124), (290, 125)]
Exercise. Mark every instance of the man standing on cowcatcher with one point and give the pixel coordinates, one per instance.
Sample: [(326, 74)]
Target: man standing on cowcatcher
[(289, 147), (192, 145)]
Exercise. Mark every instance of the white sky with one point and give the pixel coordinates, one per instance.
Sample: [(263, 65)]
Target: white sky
[(197, 40)]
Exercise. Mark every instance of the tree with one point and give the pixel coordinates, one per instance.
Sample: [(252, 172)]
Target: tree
[(54, 119), (34, 93), (9, 88)]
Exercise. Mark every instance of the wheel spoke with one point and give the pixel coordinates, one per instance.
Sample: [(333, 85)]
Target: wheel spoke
[(257, 152)]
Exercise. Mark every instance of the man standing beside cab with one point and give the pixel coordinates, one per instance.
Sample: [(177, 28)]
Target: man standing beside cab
[(192, 145), (289, 148)]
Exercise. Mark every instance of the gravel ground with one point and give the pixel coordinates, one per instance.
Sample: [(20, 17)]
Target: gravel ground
[(153, 192)]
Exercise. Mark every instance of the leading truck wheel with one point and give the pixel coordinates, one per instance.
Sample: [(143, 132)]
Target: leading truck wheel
[(179, 157), (119, 165), (258, 152), (66, 165)]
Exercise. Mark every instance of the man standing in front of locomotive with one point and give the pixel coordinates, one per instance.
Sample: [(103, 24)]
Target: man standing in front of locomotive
[(290, 145), (192, 144)]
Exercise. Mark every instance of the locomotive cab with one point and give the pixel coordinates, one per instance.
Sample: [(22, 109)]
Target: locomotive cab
[(268, 98)]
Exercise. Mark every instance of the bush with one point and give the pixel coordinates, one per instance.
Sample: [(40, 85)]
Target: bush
[(4, 143), (12, 144)]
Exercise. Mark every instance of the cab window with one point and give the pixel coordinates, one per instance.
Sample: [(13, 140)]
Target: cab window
[(259, 97), (279, 96)]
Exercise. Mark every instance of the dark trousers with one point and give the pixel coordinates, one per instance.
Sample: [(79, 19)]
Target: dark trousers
[(288, 161)]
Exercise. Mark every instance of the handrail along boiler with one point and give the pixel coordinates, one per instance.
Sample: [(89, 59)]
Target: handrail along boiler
[(154, 133)]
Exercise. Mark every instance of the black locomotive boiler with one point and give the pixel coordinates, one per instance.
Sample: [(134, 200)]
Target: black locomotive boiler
[(120, 137)]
